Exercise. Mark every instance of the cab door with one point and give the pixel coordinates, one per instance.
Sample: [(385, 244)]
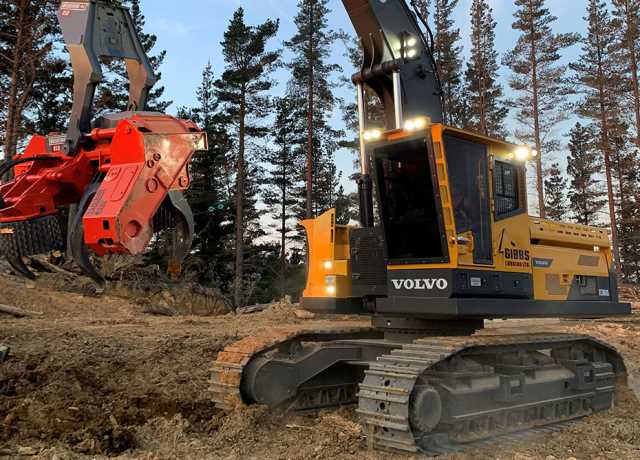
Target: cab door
[(468, 172)]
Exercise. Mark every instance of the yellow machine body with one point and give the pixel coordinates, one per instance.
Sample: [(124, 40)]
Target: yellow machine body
[(551, 261)]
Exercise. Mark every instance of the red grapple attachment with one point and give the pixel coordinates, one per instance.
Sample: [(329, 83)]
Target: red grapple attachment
[(124, 172), (149, 158)]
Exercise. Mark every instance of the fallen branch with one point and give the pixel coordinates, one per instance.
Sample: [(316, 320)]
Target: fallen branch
[(299, 427), (252, 309), (18, 312), (159, 310), (55, 268)]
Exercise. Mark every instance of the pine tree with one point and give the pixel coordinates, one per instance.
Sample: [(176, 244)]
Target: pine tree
[(242, 92), (555, 186), (447, 52), (423, 7), (282, 178), (539, 80), (627, 15), (28, 29), (583, 166), (209, 194), (113, 94), (52, 97), (347, 207), (626, 177), (327, 179), (488, 111), (598, 73), (311, 87)]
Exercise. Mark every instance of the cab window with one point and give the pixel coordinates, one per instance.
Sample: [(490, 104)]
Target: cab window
[(507, 189)]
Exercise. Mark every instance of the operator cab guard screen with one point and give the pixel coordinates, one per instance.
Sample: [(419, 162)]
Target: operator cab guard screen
[(408, 205)]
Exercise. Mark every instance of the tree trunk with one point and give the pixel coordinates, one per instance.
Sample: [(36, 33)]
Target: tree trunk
[(310, 109), (438, 58), (631, 37), (240, 186), (605, 145), (483, 103), (482, 97), (612, 208), (13, 117), (536, 124), (283, 224), (621, 199)]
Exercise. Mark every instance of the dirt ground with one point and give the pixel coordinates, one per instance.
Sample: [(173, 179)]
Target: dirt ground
[(99, 377)]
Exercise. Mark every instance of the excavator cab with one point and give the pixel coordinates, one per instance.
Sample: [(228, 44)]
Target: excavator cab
[(452, 238)]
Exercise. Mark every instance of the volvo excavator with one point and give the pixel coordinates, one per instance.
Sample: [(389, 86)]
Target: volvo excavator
[(121, 176), (444, 243)]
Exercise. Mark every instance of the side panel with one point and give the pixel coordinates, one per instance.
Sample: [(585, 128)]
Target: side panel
[(368, 262), (512, 244), (571, 274), (328, 266)]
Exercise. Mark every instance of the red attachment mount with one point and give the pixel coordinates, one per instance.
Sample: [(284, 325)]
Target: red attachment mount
[(148, 157)]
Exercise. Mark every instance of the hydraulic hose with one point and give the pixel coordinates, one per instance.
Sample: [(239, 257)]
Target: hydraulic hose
[(430, 44)]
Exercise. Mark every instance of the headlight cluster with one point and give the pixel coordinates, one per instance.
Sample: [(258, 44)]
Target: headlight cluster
[(524, 153), (415, 124), (372, 135), (409, 49), (330, 282)]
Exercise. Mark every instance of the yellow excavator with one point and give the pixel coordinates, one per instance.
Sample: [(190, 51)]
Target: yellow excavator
[(444, 243)]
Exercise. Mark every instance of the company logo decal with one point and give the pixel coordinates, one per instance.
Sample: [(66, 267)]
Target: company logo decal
[(421, 284), (542, 263), (514, 257)]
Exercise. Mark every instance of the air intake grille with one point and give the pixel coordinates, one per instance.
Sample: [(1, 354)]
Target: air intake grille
[(368, 262)]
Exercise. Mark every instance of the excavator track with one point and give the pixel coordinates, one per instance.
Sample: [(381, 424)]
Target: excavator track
[(389, 394), (226, 373), (227, 370)]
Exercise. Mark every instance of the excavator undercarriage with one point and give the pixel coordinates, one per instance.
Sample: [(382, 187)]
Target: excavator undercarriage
[(432, 394)]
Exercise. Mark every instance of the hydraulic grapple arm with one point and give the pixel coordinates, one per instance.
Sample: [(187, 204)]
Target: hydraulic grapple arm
[(93, 30)]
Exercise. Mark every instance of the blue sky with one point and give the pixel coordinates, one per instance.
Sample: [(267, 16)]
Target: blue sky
[(191, 32)]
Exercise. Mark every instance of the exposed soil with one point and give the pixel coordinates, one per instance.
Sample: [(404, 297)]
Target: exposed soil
[(98, 377)]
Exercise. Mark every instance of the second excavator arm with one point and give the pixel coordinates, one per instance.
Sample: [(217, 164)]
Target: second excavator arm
[(92, 31)]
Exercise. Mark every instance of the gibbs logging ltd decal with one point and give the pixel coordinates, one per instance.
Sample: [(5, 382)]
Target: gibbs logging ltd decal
[(513, 256)]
